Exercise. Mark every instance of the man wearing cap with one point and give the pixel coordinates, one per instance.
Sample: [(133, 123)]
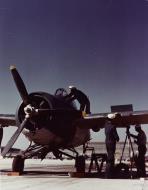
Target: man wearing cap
[(140, 140), (78, 95), (110, 141)]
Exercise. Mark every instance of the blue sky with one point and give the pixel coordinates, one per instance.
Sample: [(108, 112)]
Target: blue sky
[(100, 46)]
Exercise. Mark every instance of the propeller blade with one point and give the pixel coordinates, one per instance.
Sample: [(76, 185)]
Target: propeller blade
[(20, 85), (1, 135), (14, 137)]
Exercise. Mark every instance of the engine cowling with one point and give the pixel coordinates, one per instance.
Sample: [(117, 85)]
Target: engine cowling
[(59, 119)]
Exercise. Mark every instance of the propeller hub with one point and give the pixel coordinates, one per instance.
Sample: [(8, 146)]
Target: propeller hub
[(29, 110)]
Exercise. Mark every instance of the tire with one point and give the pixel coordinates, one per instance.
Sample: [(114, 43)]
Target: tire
[(18, 164), (80, 164)]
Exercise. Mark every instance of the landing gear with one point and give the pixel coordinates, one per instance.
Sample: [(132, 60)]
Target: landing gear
[(80, 164), (18, 164)]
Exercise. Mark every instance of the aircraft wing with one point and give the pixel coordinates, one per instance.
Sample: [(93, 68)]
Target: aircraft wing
[(7, 120), (123, 119), (97, 120)]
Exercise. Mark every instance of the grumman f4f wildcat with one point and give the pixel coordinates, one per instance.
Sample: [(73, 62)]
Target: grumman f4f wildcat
[(53, 124)]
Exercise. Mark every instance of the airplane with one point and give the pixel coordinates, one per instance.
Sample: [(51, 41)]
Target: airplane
[(53, 124)]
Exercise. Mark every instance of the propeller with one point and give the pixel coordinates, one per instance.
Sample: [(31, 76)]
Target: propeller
[(28, 112), (20, 85)]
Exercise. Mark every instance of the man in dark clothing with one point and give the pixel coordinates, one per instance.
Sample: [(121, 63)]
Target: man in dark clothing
[(1, 135), (140, 140), (78, 95), (110, 141)]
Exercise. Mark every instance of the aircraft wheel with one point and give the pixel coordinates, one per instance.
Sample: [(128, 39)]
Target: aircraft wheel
[(80, 164), (18, 164)]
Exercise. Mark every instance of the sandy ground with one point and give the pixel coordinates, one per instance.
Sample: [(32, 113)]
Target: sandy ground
[(54, 175)]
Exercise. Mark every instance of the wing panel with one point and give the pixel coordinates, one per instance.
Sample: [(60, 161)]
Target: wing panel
[(7, 120), (124, 120)]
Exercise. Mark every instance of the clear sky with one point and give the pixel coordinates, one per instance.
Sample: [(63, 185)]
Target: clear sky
[(100, 46)]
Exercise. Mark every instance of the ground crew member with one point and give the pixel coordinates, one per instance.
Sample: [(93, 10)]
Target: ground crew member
[(110, 141), (1, 135), (78, 95), (140, 140)]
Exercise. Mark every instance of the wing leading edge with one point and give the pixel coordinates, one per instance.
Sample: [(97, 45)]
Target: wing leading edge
[(123, 119)]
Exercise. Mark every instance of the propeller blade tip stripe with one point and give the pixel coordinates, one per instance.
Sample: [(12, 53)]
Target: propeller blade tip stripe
[(12, 67)]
